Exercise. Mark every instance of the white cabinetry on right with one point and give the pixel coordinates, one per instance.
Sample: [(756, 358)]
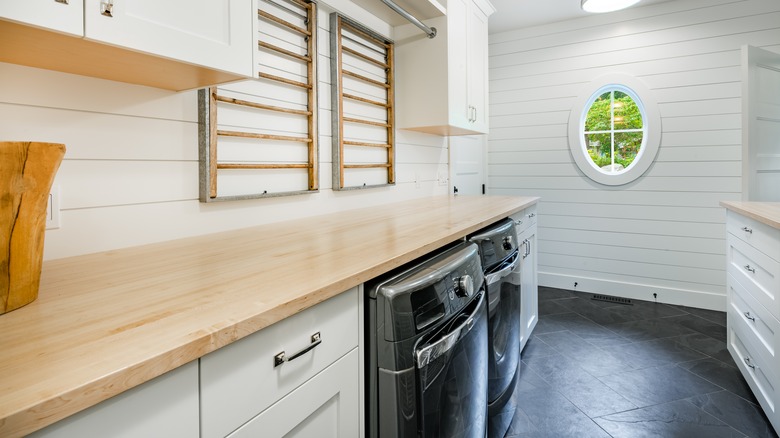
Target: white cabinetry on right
[(442, 83), (753, 310), (525, 224)]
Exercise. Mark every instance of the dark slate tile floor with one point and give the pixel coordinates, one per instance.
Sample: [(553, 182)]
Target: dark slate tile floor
[(602, 369)]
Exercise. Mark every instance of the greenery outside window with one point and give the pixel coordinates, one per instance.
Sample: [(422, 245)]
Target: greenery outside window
[(614, 130)]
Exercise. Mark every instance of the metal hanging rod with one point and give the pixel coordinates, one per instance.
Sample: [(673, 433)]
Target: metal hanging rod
[(430, 31)]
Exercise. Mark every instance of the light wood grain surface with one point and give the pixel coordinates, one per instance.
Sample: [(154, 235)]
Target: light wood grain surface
[(106, 322), (764, 212)]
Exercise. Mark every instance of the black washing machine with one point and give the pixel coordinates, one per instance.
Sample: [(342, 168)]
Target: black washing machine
[(426, 364), (500, 256)]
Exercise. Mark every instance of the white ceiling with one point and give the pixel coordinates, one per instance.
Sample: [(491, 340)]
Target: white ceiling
[(514, 14)]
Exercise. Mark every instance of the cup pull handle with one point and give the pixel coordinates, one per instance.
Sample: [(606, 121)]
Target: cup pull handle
[(750, 317), (281, 358), (750, 365), (747, 230), (750, 269)]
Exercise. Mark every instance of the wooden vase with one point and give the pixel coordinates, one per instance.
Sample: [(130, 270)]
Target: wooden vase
[(27, 171)]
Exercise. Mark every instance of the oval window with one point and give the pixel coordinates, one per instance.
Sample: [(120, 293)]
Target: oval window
[(613, 132)]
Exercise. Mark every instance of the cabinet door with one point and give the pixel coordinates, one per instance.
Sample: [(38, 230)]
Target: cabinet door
[(215, 34), (529, 307), (326, 406), (166, 406), (457, 74), (477, 46), (67, 17)]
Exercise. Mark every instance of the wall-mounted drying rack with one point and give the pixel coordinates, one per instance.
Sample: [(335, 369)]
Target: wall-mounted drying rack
[(258, 138), (363, 106)]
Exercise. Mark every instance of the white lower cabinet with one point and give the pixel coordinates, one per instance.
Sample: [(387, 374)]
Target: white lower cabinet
[(314, 394), (753, 310), (164, 407), (525, 224)]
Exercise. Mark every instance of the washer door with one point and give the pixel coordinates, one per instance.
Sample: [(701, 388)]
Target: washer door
[(452, 376), (503, 327)]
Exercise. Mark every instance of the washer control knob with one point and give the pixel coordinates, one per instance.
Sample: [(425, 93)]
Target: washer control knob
[(464, 286), (507, 243)]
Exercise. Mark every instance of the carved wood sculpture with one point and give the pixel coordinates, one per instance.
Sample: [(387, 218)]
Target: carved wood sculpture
[(27, 171)]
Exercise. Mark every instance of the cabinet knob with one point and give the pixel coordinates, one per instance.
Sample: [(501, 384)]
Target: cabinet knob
[(750, 269), (747, 230), (750, 317), (106, 7)]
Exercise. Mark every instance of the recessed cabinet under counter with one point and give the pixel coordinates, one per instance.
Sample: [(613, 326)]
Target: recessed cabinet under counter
[(753, 298), (175, 45)]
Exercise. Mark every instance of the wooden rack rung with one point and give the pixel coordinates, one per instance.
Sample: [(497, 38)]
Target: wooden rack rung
[(261, 166), (362, 44), (262, 106), (364, 100), (365, 57), (284, 80), (285, 23), (366, 122), (365, 79), (362, 34), (298, 3), (284, 51), (361, 143), (367, 166), (263, 136)]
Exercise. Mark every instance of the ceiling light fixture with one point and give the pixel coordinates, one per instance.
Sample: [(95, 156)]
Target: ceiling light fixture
[(598, 6)]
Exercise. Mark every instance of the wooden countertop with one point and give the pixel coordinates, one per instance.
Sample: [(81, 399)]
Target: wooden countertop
[(106, 322), (764, 212)]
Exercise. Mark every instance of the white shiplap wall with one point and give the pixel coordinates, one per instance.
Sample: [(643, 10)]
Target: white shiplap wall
[(130, 174), (665, 232)]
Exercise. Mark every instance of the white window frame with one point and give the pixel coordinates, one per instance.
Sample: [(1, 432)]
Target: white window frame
[(651, 127)]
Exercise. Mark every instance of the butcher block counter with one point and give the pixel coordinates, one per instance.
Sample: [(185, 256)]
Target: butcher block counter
[(765, 212), (107, 322)]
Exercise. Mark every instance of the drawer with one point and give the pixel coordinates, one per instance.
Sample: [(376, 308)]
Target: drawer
[(755, 321), (524, 218), (763, 237), (326, 406), (758, 374), (757, 272), (241, 380)]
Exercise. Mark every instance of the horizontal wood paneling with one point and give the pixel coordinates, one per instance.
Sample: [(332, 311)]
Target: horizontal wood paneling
[(130, 174), (665, 230)]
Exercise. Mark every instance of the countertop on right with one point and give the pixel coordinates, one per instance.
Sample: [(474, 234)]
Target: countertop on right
[(764, 212)]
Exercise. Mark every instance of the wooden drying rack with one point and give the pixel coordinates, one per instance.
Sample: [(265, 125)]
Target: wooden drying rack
[(384, 48), (210, 165)]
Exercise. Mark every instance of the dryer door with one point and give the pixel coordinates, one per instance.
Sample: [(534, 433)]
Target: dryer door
[(452, 376)]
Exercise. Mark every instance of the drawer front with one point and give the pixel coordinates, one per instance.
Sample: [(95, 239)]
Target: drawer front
[(241, 380), (763, 237), (757, 373), (755, 321), (757, 272), (524, 218), (326, 406)]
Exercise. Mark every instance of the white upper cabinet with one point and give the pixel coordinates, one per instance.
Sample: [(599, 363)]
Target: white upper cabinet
[(58, 15), (216, 34), (173, 44), (441, 83)]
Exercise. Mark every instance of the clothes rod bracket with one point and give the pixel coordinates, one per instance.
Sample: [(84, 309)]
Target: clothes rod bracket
[(430, 31)]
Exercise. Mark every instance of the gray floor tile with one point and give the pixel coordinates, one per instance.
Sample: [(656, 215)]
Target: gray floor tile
[(674, 419), (529, 380), (595, 313), (653, 353), (552, 415), (558, 370), (551, 293), (725, 376), (701, 325), (650, 386), (639, 310), (536, 347), (737, 413), (710, 346), (710, 315), (647, 329), (595, 398), (551, 307)]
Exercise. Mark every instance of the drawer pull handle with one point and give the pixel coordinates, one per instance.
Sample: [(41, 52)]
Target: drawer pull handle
[(750, 269), (747, 230), (281, 358), (750, 365), (518, 222), (532, 215), (750, 317)]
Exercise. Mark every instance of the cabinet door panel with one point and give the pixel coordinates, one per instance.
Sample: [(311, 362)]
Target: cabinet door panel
[(477, 69), (61, 17), (324, 407), (457, 42), (529, 304), (215, 34)]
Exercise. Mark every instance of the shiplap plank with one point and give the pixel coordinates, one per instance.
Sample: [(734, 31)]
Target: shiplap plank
[(665, 169), (672, 285), (667, 184), (701, 108), (683, 259), (597, 196), (628, 211), (692, 245), (638, 226)]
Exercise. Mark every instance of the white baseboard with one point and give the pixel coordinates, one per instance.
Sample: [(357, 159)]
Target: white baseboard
[(682, 297)]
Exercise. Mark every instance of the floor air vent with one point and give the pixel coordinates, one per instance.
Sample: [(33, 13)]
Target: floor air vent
[(610, 299)]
